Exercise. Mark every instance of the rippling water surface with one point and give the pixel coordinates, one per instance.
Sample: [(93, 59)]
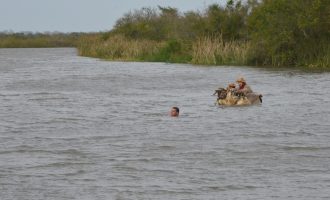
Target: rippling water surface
[(80, 128)]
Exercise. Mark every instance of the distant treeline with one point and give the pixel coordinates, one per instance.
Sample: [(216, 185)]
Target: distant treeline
[(257, 32), (36, 40)]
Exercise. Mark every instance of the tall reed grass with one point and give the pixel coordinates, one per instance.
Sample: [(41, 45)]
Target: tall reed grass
[(317, 58), (207, 50), (214, 51), (118, 47)]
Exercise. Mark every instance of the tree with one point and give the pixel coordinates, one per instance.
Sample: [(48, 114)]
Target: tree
[(284, 32)]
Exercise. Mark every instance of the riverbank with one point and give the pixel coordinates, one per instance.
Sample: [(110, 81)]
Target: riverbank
[(38, 40), (254, 33), (203, 51)]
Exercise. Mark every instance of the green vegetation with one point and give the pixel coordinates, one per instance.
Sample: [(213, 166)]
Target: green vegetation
[(215, 36), (275, 33), (291, 33), (37, 40), (272, 33)]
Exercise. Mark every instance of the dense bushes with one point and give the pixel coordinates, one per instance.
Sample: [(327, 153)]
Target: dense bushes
[(269, 33), (291, 33)]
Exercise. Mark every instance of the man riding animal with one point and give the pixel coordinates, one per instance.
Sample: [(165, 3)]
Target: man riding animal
[(243, 95), (243, 88)]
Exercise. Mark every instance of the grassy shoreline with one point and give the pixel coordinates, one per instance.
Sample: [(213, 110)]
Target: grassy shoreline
[(38, 40), (252, 33), (209, 51)]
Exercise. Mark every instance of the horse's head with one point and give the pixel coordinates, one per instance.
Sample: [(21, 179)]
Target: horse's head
[(221, 92)]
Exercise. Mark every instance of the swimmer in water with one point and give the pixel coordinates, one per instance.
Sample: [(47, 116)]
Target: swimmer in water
[(175, 112)]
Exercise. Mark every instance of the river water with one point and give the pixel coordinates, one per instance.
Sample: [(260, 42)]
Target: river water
[(81, 128)]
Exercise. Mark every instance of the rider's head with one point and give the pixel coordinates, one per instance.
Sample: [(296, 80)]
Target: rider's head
[(241, 81)]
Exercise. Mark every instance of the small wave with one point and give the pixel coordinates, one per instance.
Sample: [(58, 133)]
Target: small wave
[(48, 99), (22, 151), (64, 120), (228, 187), (166, 147), (32, 150), (130, 160), (62, 164), (42, 93), (68, 119), (303, 148), (79, 172), (240, 187), (18, 149), (71, 152), (167, 171), (9, 95), (125, 168)]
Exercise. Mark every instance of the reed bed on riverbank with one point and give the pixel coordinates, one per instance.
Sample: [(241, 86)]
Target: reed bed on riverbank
[(207, 50), (118, 48), (214, 51), (318, 57)]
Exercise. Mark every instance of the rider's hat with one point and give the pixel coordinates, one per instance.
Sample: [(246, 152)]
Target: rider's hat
[(241, 80)]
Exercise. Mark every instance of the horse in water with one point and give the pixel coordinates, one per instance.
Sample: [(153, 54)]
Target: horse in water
[(230, 97)]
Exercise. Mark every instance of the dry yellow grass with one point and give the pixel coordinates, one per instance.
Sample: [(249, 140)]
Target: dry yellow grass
[(118, 48), (213, 51)]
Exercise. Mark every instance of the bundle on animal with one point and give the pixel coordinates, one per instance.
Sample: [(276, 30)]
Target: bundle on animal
[(231, 97)]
